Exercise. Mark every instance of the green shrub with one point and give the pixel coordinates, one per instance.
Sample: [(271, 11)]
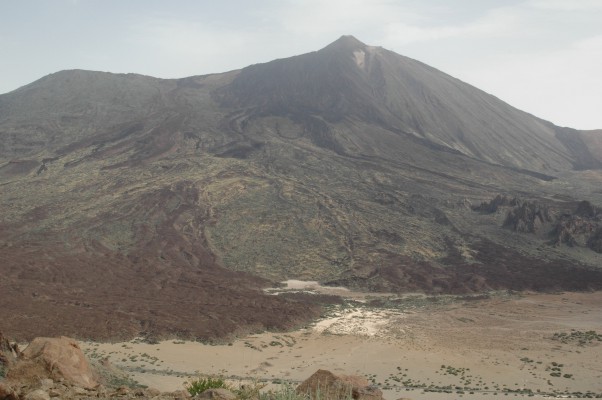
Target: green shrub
[(200, 385)]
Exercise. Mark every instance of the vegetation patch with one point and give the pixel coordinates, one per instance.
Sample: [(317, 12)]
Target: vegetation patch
[(198, 386), (579, 338)]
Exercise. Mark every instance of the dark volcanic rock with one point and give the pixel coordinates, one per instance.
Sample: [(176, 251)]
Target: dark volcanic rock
[(498, 202), (528, 217), (588, 210), (595, 241), (573, 225), (573, 230), (580, 228)]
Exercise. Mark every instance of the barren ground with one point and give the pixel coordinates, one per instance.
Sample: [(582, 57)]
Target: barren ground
[(471, 347)]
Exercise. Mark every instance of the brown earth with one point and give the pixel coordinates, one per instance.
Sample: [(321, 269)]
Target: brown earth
[(116, 297)]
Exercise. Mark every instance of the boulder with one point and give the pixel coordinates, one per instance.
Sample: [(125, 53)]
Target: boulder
[(325, 385), (62, 358)]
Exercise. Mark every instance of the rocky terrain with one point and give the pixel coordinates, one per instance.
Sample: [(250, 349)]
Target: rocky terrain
[(135, 206)]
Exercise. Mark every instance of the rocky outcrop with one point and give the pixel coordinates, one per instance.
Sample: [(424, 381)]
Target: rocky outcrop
[(523, 215), (328, 386), (588, 210), (62, 358), (595, 241), (574, 230), (489, 207), (528, 217), (581, 228), (574, 225)]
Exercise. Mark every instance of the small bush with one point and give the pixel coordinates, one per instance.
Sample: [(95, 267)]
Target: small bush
[(200, 385)]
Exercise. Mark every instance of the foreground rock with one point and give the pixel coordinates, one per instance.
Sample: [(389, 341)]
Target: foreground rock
[(325, 385), (62, 358), (56, 368)]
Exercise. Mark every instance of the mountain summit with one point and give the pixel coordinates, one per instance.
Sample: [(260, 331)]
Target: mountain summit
[(345, 43), (351, 165), (349, 80)]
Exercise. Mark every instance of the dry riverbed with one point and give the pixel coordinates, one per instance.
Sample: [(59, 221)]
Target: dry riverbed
[(412, 346)]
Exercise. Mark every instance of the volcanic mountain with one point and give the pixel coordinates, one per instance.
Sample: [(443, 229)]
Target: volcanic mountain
[(161, 207)]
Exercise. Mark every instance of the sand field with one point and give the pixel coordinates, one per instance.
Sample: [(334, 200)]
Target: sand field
[(414, 346)]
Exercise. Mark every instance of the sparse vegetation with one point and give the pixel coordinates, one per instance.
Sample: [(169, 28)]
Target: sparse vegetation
[(533, 365), (579, 338), (198, 386)]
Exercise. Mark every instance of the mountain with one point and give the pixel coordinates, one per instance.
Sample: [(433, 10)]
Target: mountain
[(176, 201)]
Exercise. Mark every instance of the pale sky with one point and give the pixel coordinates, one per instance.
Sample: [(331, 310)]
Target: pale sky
[(542, 56)]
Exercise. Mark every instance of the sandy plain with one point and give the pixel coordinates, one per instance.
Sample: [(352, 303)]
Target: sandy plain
[(414, 346)]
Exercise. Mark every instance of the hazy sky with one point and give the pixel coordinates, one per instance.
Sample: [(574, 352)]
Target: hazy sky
[(542, 56)]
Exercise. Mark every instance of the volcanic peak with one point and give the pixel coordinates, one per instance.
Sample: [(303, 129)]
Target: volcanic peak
[(345, 42)]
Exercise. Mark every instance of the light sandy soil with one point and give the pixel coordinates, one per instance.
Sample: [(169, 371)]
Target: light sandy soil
[(493, 345)]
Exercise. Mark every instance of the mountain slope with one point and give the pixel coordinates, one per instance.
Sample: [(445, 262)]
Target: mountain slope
[(350, 165)]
